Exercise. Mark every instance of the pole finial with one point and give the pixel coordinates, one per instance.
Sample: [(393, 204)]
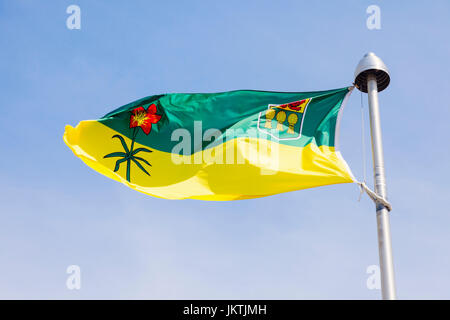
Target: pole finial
[(371, 64)]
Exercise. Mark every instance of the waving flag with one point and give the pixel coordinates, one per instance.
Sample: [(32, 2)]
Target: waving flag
[(218, 146)]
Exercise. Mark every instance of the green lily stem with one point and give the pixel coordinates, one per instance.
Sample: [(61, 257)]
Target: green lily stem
[(135, 132)]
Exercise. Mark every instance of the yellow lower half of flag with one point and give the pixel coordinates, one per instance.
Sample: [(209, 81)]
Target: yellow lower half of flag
[(241, 168)]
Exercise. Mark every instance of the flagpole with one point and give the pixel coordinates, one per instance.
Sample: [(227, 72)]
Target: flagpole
[(371, 77)]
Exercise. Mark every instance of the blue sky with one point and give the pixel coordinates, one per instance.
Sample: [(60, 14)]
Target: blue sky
[(56, 212)]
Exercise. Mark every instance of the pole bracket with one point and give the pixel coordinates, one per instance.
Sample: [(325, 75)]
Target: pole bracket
[(375, 197)]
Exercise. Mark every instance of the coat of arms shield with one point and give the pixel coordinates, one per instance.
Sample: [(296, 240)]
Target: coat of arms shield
[(284, 121)]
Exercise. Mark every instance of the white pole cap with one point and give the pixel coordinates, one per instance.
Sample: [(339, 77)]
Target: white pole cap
[(371, 64)]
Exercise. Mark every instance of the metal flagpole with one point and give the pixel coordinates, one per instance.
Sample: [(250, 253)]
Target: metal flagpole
[(372, 76)]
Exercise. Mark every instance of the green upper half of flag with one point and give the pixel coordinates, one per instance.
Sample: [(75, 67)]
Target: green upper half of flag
[(208, 119)]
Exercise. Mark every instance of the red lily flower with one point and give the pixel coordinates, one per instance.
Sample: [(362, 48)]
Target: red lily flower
[(144, 118)]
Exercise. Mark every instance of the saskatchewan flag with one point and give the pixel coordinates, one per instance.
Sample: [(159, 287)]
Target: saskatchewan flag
[(218, 146)]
